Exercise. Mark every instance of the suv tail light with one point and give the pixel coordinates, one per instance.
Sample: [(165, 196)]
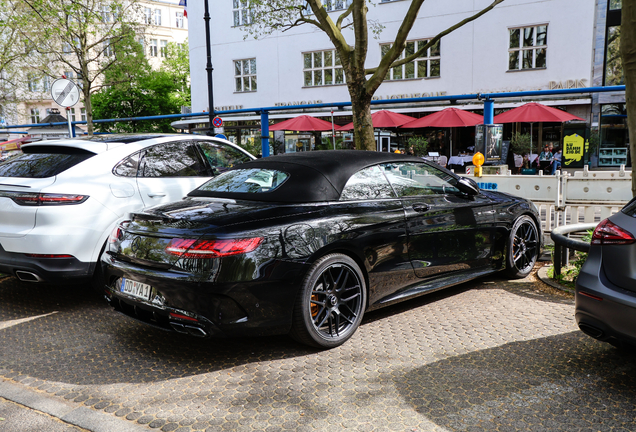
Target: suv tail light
[(43, 199), (608, 233), (118, 232), (191, 248)]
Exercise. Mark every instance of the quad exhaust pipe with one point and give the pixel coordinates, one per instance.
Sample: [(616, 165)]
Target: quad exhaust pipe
[(26, 276)]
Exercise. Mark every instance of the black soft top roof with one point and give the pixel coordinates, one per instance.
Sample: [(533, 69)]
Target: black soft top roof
[(313, 176)]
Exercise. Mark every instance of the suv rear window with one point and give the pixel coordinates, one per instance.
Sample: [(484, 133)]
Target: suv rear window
[(45, 164)]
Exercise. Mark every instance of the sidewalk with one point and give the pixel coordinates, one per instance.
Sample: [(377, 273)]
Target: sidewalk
[(22, 409)]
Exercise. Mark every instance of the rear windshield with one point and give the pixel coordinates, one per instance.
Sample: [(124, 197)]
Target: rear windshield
[(630, 208), (254, 180), (41, 165)]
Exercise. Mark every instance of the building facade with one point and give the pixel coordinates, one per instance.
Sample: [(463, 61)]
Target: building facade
[(520, 45)]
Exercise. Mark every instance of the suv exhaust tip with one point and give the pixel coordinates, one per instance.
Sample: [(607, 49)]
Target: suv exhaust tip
[(26, 276)]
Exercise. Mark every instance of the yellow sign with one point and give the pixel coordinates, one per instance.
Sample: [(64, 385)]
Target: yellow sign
[(573, 148)]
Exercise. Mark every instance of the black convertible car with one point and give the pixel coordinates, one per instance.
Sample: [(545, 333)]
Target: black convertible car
[(305, 243)]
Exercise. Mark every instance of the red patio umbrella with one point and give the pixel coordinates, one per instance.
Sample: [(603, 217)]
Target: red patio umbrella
[(302, 123), (384, 119), (535, 112), (449, 117)]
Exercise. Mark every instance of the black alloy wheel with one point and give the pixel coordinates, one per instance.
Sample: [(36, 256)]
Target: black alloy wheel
[(523, 248), (331, 302)]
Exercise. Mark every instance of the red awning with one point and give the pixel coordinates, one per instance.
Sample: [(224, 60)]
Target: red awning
[(384, 119), (535, 112), (449, 117), (302, 123)]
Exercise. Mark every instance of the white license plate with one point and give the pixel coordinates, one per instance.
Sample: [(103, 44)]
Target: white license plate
[(136, 289)]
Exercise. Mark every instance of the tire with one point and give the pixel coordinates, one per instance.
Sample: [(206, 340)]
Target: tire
[(98, 282), (522, 248), (330, 304)]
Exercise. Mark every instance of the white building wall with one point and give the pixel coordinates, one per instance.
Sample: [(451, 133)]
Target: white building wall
[(474, 58)]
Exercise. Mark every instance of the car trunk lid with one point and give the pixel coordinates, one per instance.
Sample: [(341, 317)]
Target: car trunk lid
[(18, 220)]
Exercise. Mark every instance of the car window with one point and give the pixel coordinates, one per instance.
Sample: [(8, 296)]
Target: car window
[(413, 179), (129, 166), (368, 183), (41, 165), (222, 156), (174, 159), (253, 180)]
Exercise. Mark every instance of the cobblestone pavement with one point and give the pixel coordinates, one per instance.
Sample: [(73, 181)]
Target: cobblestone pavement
[(491, 355)]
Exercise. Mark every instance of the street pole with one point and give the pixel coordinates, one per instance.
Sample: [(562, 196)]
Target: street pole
[(208, 67)]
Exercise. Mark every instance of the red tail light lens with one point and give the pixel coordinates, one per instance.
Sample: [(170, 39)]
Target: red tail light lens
[(608, 233), (49, 256), (118, 232), (43, 199), (190, 248)]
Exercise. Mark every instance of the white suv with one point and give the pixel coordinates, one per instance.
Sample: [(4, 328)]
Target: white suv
[(60, 200)]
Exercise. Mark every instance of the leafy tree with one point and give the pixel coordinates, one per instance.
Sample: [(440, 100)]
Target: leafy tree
[(78, 36), (268, 16), (628, 54), (177, 65)]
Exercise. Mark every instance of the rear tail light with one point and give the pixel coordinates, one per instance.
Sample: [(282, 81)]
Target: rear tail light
[(190, 248), (608, 233), (118, 232), (43, 199)]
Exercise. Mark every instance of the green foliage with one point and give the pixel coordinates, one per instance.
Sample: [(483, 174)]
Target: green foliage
[(594, 141), (520, 143), (177, 65), (419, 144), (569, 274), (326, 143), (133, 89)]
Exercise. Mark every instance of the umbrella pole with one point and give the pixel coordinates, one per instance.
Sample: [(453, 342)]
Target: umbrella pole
[(333, 132)]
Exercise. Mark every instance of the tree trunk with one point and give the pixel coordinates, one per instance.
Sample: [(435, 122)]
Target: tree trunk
[(628, 54), (363, 135)]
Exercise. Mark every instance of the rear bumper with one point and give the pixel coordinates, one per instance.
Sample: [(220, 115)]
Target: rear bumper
[(51, 270), (603, 310)]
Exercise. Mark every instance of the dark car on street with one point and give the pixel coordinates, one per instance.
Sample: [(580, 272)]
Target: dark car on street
[(305, 243), (606, 286)]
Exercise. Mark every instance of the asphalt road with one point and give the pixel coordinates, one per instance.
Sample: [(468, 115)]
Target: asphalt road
[(491, 355)]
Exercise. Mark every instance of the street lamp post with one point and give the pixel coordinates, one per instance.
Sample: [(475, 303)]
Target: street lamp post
[(208, 67)]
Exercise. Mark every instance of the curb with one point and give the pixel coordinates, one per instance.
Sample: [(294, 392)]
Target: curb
[(74, 414), (542, 274)]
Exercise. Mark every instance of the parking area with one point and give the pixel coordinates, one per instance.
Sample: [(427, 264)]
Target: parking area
[(488, 355)]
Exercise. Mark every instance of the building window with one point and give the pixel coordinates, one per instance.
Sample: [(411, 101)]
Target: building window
[(108, 48), (528, 46), (241, 11), (158, 17), (245, 75), (72, 114), (46, 83), (105, 12), (615, 4), (163, 48), (34, 83), (147, 16), (179, 20), (322, 68), (425, 66), (83, 114), (153, 47), (332, 5), (35, 115)]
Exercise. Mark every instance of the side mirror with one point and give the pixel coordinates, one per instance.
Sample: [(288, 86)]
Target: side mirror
[(467, 186)]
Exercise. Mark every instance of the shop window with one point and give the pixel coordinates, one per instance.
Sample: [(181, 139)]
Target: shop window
[(614, 145), (245, 75), (527, 48), (321, 68), (425, 66)]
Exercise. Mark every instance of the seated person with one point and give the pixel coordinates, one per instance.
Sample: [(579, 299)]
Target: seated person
[(545, 157), (556, 161)]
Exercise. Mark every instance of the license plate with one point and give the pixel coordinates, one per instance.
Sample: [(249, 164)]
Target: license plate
[(136, 289)]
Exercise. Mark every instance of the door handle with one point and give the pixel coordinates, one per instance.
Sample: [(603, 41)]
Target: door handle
[(156, 194), (420, 208)]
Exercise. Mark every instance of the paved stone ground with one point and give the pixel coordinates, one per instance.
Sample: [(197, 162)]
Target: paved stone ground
[(490, 355)]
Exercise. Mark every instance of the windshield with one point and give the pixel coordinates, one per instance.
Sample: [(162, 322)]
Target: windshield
[(254, 180)]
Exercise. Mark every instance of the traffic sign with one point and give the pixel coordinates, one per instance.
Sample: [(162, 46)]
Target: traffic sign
[(65, 92), (220, 136), (217, 122)]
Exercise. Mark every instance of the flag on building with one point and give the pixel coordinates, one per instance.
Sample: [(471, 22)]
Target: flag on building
[(184, 3)]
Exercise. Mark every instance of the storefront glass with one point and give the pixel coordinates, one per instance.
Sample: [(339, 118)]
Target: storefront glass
[(614, 145)]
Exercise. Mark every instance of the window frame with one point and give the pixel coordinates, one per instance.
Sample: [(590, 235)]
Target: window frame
[(153, 48), (35, 115), (251, 76), (428, 59), (335, 68), (520, 49), (156, 17), (241, 13)]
